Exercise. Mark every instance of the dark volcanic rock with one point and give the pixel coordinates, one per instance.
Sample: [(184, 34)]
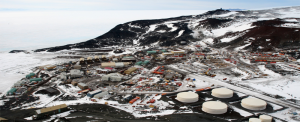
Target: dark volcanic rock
[(266, 36), (124, 34), (187, 29), (18, 51)]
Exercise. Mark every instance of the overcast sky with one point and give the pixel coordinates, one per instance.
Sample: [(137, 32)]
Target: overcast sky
[(37, 5), (34, 24)]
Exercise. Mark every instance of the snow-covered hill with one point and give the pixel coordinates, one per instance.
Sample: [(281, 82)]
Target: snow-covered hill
[(255, 30)]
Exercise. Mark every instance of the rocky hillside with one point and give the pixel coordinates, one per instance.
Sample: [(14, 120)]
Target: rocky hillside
[(259, 30)]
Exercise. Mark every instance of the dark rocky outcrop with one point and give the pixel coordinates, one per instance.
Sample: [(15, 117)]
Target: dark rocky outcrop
[(174, 31), (124, 34), (18, 51)]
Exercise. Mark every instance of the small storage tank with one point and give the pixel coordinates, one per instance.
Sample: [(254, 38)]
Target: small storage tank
[(222, 93), (214, 107), (265, 118), (187, 97), (254, 120), (253, 104)]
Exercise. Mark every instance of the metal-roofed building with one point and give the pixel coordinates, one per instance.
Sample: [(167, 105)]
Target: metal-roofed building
[(50, 110), (82, 86), (105, 78), (92, 93), (146, 62), (139, 63), (128, 59), (3, 119), (101, 95), (178, 52), (36, 79), (115, 78), (30, 75), (75, 73), (108, 64), (112, 77), (115, 59), (169, 76), (119, 64), (77, 66), (151, 52), (47, 67), (11, 91), (130, 70)]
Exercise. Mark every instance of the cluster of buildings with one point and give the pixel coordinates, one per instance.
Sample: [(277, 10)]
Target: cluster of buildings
[(30, 80), (137, 79)]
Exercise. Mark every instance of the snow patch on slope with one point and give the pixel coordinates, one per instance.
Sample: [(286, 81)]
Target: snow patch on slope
[(152, 28), (208, 40), (179, 33), (233, 28), (241, 47), (267, 71), (227, 14), (228, 39), (173, 28)]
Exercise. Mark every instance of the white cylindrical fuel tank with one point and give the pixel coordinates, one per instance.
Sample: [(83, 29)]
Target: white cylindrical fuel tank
[(222, 93), (187, 97), (265, 118), (214, 107), (254, 120), (253, 104)]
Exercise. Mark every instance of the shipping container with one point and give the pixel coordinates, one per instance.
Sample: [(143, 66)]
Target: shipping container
[(133, 100), (92, 93)]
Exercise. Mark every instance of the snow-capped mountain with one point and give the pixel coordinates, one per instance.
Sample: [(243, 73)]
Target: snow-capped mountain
[(255, 30)]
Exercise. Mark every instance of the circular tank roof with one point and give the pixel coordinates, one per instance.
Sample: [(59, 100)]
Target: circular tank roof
[(254, 120), (187, 97), (265, 118), (253, 104), (222, 93), (214, 107)]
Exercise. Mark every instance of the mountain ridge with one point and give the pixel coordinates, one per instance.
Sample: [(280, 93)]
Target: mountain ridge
[(225, 28)]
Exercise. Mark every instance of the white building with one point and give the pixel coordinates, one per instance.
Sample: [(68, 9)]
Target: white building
[(75, 73)]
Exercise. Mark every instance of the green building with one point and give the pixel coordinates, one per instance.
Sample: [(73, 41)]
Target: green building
[(139, 63), (11, 91), (36, 79), (151, 52), (146, 62), (30, 75)]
